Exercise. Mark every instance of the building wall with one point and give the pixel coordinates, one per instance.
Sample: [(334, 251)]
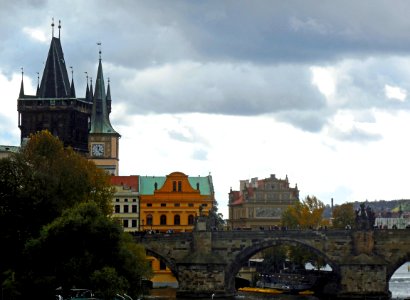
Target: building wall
[(173, 202), (260, 203), (126, 207)]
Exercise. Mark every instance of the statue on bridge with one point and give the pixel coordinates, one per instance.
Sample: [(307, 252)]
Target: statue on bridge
[(365, 218)]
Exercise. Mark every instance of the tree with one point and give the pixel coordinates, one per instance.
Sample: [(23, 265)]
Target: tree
[(344, 216), (37, 185), (305, 214), (84, 248)]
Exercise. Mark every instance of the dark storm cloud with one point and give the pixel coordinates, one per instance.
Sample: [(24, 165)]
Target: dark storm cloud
[(219, 57)]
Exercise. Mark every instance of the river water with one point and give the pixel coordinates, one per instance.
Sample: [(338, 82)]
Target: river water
[(399, 285)]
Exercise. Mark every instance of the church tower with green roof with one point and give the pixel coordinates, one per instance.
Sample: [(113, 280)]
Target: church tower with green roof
[(103, 140)]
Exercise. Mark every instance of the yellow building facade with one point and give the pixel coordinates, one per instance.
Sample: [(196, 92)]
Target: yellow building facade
[(171, 204)]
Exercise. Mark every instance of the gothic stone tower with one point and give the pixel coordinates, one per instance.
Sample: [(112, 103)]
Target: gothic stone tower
[(55, 106), (81, 123)]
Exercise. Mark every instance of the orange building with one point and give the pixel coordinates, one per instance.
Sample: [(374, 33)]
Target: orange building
[(174, 201)]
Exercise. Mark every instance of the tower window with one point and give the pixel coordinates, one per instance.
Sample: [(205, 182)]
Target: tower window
[(174, 186), (179, 186), (177, 220)]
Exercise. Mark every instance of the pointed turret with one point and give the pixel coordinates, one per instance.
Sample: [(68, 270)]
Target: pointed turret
[(55, 82), (100, 122), (72, 88), (38, 85), (21, 94), (109, 97)]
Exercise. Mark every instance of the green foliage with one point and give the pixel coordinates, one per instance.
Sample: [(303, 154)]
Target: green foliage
[(55, 225), (305, 214), (274, 259), (76, 248), (344, 215)]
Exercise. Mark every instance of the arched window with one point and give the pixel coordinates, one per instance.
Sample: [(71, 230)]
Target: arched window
[(190, 220), (163, 220), (149, 220), (177, 220)]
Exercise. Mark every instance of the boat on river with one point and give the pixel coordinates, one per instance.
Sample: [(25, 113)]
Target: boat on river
[(261, 290)]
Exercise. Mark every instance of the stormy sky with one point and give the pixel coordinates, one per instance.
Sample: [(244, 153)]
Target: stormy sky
[(315, 90)]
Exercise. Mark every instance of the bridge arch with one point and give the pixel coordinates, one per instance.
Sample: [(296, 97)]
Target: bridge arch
[(393, 266), (165, 258), (243, 256)]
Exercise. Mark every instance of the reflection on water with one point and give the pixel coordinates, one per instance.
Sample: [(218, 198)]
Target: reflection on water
[(399, 285)]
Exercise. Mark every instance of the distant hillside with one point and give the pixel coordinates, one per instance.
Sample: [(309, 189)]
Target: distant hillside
[(380, 206)]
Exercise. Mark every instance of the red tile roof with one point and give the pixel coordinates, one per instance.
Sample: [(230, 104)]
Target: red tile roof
[(128, 181)]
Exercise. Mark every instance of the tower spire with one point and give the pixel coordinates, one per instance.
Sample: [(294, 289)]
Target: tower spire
[(38, 84), (59, 28), (22, 84), (100, 122), (72, 88)]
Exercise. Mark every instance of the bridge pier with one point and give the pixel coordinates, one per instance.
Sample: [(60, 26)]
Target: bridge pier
[(363, 281), (203, 281), (201, 274), (364, 274)]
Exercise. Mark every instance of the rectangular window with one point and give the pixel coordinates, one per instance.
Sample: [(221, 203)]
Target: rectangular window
[(117, 209), (174, 186), (134, 223), (117, 200), (125, 200), (163, 204), (190, 205), (134, 208), (149, 204), (125, 223), (134, 200), (179, 186), (177, 205), (125, 208)]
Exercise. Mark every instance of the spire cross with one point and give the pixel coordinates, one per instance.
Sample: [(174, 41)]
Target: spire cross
[(59, 28), (22, 73), (86, 76), (52, 27)]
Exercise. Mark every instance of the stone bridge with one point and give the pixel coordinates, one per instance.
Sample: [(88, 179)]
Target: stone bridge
[(206, 262)]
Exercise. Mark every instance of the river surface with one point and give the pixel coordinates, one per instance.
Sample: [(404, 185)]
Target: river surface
[(399, 285)]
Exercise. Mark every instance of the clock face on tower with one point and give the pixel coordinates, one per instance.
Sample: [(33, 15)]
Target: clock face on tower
[(97, 149)]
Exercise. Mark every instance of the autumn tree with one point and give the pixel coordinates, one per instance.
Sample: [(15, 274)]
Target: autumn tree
[(305, 214), (37, 185), (343, 216)]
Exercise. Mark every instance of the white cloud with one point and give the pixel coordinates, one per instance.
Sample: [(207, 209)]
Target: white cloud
[(36, 34), (395, 93)]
